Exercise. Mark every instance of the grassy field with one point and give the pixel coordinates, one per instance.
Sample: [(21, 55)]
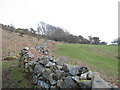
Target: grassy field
[(100, 58)]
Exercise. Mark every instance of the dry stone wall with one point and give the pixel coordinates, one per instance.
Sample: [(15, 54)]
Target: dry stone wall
[(48, 72)]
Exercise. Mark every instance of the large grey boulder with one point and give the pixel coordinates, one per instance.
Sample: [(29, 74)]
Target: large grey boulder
[(84, 76), (99, 82), (69, 83), (52, 81), (47, 74), (61, 61), (51, 58), (85, 84), (90, 75), (39, 69), (54, 68), (76, 78), (78, 70), (83, 69), (44, 57), (58, 74), (42, 84), (74, 71), (82, 83), (59, 67), (49, 64), (60, 82), (44, 62)]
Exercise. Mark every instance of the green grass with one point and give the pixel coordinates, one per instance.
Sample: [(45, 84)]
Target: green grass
[(18, 76), (15, 74), (7, 64), (100, 57)]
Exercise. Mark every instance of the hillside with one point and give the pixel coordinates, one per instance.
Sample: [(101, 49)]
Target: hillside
[(100, 58), (12, 43)]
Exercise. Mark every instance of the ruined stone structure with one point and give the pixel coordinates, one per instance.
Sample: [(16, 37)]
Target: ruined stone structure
[(47, 72)]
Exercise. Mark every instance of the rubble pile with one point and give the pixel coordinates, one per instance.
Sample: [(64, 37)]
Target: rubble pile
[(47, 72)]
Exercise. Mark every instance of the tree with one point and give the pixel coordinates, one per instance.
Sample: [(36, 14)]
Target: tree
[(116, 41), (83, 40), (41, 29), (90, 39), (32, 30), (96, 40), (103, 43)]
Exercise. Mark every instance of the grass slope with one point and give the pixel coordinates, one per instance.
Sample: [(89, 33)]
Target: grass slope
[(101, 58)]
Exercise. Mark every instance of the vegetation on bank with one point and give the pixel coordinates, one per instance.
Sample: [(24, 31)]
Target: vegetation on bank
[(55, 33)]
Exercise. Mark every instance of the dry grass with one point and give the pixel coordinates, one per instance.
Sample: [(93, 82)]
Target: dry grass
[(12, 42)]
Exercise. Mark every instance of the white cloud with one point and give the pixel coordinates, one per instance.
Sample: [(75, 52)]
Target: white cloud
[(84, 17)]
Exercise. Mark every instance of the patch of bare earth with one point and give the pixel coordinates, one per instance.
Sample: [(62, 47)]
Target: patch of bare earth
[(104, 53)]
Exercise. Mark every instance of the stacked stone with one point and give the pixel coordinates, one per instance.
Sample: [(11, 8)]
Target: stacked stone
[(47, 72), (25, 57), (43, 48)]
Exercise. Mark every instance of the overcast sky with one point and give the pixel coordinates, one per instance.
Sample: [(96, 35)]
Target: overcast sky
[(79, 17)]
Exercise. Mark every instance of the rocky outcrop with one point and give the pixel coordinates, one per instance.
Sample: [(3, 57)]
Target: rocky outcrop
[(47, 72)]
